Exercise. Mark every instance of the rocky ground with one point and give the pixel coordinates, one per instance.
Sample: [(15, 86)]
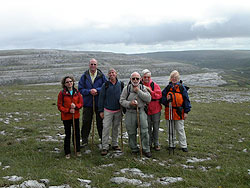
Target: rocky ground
[(40, 66)]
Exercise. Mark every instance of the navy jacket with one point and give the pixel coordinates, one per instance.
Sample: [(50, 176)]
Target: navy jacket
[(109, 96), (85, 85)]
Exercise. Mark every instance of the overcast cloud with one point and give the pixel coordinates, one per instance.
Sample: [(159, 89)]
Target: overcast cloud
[(127, 26)]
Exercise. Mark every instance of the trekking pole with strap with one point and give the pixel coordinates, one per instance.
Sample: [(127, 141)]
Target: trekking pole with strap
[(74, 132), (93, 124), (139, 128), (171, 126), (121, 131)]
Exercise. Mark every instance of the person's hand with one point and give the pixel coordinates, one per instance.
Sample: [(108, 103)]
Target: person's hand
[(72, 111), (73, 106), (136, 89), (169, 97), (93, 92), (185, 116), (149, 89), (134, 103), (102, 115)]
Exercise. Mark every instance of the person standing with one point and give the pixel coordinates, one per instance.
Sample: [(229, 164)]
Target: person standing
[(154, 109), (89, 86), (176, 93), (136, 95), (110, 110), (69, 103)]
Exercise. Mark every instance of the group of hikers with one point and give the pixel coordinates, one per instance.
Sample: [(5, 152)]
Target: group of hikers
[(141, 100)]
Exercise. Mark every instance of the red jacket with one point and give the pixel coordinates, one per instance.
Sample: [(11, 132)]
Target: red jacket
[(64, 102), (154, 106)]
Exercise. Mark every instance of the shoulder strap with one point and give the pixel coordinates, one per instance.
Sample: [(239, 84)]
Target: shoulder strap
[(152, 85), (106, 85)]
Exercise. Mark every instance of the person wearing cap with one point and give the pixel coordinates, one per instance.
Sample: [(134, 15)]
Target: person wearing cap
[(110, 110), (89, 86), (154, 108), (136, 95)]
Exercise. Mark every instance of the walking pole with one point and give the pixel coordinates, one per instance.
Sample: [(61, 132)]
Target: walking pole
[(121, 131), (74, 132), (171, 141), (139, 128), (93, 125)]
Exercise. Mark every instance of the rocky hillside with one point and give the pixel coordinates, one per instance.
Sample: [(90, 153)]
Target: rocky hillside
[(40, 66)]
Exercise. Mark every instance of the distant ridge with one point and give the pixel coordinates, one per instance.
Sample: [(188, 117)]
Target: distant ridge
[(222, 59), (41, 65)]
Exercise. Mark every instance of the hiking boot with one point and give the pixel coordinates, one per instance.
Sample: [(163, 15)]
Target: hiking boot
[(148, 154), (184, 149), (116, 148), (157, 148), (104, 152), (67, 156), (78, 154)]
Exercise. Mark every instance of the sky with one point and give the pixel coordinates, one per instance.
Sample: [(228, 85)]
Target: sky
[(125, 26)]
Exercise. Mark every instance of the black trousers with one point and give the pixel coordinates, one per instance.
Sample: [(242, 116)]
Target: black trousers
[(87, 123), (67, 127)]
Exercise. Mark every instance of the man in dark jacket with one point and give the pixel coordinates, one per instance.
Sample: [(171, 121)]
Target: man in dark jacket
[(89, 86)]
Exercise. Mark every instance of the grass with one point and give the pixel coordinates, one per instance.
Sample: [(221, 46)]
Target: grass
[(216, 130)]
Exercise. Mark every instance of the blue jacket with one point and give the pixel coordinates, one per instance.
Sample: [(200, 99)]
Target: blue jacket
[(85, 85), (109, 96)]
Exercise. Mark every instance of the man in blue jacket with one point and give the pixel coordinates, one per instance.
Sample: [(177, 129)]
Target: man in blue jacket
[(89, 86), (110, 110)]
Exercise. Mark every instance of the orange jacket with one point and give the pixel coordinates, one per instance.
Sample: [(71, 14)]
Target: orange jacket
[(64, 103), (177, 101)]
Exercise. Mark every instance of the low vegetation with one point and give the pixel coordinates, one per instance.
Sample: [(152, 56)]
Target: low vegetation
[(31, 145)]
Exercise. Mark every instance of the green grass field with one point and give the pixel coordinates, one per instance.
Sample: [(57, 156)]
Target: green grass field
[(217, 132)]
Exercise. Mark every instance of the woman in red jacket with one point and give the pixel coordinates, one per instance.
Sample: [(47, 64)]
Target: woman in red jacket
[(154, 109), (69, 103)]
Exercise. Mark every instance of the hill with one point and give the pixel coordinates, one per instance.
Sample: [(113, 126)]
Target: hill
[(40, 66), (234, 63)]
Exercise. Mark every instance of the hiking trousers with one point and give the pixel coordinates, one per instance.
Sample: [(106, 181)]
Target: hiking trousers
[(179, 132), (113, 120), (87, 123), (153, 128), (131, 126), (67, 127)]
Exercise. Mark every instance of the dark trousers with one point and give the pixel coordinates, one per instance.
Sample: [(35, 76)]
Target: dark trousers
[(87, 123), (67, 127)]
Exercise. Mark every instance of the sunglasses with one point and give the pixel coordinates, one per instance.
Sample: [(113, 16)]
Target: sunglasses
[(68, 82), (93, 64), (135, 78)]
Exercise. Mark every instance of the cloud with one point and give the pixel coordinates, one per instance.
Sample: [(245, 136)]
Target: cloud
[(86, 25)]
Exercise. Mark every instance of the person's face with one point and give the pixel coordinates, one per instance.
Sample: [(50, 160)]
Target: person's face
[(146, 78), (69, 83), (92, 65), (112, 75), (135, 79), (174, 79)]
